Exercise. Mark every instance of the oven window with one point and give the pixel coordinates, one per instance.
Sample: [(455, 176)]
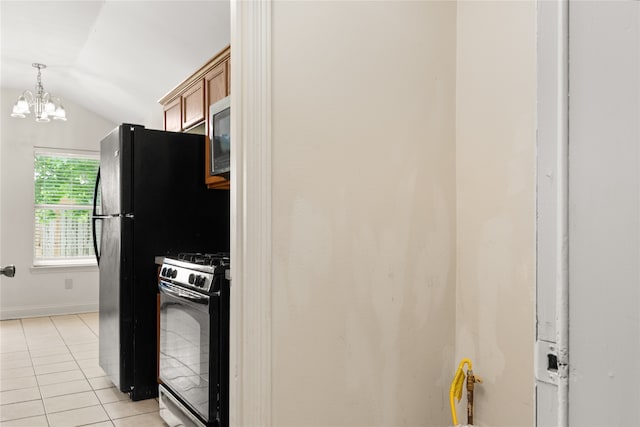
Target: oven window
[(184, 350)]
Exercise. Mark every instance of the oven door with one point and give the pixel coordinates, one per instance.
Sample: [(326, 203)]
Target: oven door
[(186, 346)]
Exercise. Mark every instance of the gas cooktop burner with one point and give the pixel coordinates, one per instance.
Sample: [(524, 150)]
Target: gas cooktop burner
[(212, 260), (197, 271)]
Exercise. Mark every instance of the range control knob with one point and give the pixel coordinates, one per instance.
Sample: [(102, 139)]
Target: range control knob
[(200, 280), (164, 271), (192, 278), (174, 274), (168, 272)]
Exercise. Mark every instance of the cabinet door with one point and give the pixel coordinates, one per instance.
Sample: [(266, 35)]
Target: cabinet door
[(228, 62), (193, 105), (173, 115), (216, 83)]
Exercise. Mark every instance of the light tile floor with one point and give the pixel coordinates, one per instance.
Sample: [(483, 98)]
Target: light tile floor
[(49, 377)]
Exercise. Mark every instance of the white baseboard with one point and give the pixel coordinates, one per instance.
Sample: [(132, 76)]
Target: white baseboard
[(7, 313)]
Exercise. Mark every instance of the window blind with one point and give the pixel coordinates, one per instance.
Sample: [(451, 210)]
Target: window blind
[(63, 202)]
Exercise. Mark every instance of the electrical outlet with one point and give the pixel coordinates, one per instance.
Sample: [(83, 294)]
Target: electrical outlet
[(68, 283)]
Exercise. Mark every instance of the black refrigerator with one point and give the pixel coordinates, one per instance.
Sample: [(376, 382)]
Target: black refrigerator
[(153, 202)]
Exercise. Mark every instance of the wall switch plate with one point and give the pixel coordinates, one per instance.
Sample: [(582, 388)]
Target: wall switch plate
[(546, 362), (68, 283)]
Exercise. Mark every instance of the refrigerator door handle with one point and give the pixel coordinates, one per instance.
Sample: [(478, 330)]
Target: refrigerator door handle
[(95, 217), (95, 240), (95, 194)]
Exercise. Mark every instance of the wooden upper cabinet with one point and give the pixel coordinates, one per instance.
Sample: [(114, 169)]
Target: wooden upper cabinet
[(216, 83), (173, 116), (193, 108), (228, 62), (186, 107)]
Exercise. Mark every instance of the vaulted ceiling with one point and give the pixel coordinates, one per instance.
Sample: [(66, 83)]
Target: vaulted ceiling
[(115, 58)]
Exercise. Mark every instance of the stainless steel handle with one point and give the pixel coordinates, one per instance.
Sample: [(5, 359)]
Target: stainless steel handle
[(95, 193), (94, 219), (9, 271), (183, 293)]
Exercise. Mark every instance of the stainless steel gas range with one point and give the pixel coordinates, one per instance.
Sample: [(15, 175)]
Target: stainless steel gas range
[(194, 340)]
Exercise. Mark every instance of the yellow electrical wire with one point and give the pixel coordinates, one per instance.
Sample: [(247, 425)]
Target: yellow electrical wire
[(456, 388)]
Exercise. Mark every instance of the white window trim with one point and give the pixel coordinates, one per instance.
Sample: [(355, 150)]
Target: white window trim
[(58, 264)]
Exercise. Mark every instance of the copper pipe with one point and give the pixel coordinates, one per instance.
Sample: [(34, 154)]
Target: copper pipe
[(471, 380)]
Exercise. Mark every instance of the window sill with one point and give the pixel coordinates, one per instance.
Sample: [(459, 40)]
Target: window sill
[(51, 266)]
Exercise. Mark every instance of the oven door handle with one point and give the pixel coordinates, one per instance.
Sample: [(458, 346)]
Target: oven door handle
[(183, 294)]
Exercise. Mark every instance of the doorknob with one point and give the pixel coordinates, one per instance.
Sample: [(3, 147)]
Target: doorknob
[(9, 271)]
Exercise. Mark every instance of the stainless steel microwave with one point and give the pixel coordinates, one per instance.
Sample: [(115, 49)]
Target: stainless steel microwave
[(220, 137)]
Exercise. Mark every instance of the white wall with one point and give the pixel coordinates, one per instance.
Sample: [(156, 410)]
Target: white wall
[(495, 173), (34, 292), (363, 212), (604, 236)]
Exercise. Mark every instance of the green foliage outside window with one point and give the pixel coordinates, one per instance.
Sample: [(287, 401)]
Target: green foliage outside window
[(63, 198)]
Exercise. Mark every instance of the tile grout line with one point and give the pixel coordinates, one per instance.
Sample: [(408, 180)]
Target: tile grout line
[(84, 375), (24, 335), (81, 370)]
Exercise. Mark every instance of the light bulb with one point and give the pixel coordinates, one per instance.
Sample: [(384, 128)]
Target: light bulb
[(22, 105), (16, 112), (43, 118), (50, 108), (60, 114)]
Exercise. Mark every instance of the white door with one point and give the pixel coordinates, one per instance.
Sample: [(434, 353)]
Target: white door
[(604, 213)]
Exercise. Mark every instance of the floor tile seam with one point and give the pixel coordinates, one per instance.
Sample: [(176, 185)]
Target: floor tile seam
[(88, 327), (27, 416), (70, 352), (20, 376), (71, 409), (42, 398), (34, 371), (82, 321), (130, 416), (24, 329), (23, 401), (84, 375), (35, 375), (59, 372), (87, 424), (24, 418), (52, 363)]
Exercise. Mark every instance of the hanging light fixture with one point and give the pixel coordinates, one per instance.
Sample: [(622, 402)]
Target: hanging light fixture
[(44, 105)]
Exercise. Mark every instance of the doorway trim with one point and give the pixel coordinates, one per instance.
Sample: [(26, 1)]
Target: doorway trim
[(250, 351)]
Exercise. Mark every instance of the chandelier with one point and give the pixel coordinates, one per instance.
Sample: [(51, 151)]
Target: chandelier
[(44, 105)]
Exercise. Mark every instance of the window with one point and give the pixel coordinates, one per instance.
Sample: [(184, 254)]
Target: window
[(63, 204)]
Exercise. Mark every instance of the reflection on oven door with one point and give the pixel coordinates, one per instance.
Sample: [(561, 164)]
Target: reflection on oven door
[(184, 352)]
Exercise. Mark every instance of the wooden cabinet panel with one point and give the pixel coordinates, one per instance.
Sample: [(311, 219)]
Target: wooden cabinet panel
[(193, 107), (216, 83), (173, 116), (218, 183), (186, 107), (228, 62)]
